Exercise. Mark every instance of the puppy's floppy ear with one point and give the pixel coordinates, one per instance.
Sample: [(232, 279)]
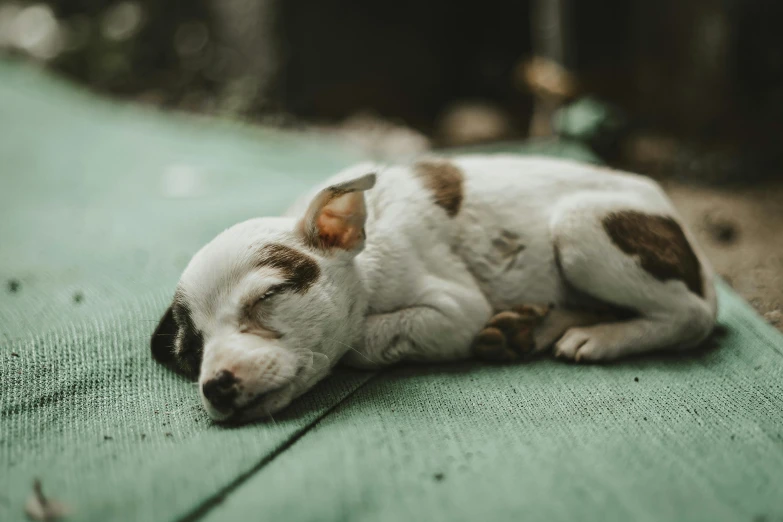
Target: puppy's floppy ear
[(162, 341), (335, 217)]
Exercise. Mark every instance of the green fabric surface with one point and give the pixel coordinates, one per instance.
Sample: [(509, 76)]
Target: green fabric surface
[(697, 439), (103, 204), (86, 213)]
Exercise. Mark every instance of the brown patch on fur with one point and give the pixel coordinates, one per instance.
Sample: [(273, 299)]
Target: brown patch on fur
[(445, 182), (300, 270), (660, 244)]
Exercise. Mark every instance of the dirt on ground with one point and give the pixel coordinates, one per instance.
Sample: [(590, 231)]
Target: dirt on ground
[(740, 232)]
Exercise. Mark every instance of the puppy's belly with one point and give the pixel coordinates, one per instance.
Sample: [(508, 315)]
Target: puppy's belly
[(521, 276)]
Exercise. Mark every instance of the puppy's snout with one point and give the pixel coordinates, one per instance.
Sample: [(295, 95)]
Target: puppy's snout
[(221, 391)]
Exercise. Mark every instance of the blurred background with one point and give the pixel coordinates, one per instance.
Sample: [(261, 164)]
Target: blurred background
[(687, 87), (687, 91)]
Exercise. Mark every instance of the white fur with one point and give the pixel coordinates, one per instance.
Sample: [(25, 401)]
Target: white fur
[(425, 283)]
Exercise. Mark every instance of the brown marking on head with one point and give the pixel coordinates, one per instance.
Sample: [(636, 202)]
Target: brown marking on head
[(660, 244), (445, 181), (300, 270)]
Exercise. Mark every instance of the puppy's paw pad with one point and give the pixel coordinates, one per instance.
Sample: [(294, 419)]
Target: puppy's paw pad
[(491, 345), (507, 336), (505, 321)]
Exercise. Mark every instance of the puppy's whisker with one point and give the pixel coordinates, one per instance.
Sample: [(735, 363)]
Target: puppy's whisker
[(337, 341), (350, 348), (270, 416), (328, 359)]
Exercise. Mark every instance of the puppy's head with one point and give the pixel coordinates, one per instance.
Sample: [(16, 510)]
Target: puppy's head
[(263, 311)]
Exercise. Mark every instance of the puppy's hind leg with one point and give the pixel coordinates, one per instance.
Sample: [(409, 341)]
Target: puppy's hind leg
[(527, 329), (559, 320), (639, 260)]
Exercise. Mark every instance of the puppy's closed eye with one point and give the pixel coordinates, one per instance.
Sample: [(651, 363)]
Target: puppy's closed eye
[(256, 305), (273, 291), (256, 313)]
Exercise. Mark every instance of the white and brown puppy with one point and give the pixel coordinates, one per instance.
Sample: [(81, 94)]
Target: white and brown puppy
[(436, 263)]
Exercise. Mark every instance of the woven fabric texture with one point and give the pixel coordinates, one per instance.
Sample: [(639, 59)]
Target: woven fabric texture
[(102, 207), (661, 438)]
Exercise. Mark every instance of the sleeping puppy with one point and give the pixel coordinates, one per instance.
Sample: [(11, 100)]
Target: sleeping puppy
[(494, 257)]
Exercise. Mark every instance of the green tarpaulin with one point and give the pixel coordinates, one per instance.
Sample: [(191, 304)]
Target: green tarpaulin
[(102, 206)]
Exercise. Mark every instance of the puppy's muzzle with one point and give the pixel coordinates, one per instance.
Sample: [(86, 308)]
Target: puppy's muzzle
[(222, 391)]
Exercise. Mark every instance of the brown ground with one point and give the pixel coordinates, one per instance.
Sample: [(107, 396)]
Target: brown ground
[(740, 230)]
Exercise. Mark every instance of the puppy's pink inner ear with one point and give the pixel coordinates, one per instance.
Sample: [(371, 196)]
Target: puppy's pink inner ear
[(339, 222), (336, 216)]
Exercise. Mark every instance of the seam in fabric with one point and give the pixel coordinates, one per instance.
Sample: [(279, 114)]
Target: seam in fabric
[(215, 500), (753, 330)]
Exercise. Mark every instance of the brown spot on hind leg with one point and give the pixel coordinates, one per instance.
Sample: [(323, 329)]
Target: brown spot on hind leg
[(508, 336), (659, 244)]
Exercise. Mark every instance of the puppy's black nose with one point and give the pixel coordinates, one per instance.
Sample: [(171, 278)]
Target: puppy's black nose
[(221, 391)]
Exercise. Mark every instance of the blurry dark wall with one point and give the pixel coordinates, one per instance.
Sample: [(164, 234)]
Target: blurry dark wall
[(131, 47), (678, 64), (404, 59), (708, 71)]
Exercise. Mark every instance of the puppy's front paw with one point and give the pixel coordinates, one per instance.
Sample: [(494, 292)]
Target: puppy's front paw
[(583, 345), (508, 336)]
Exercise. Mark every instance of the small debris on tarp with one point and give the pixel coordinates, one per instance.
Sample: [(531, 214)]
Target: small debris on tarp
[(169, 434), (636, 379), (78, 297), (14, 285), (14, 354), (439, 476), (107, 437), (39, 507)]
